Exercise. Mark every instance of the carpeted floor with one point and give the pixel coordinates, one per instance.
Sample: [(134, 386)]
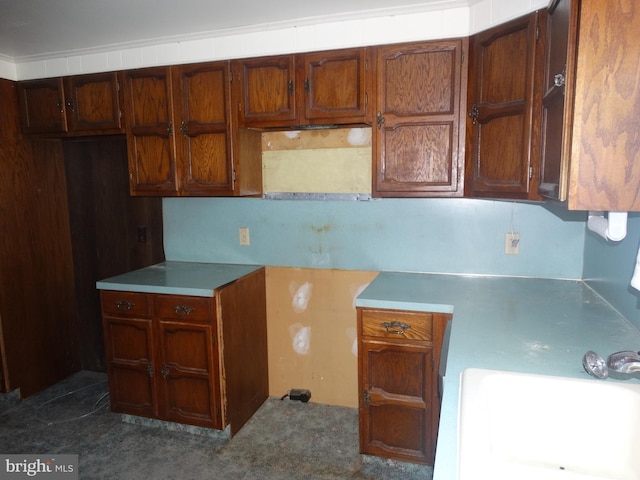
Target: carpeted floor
[(283, 440)]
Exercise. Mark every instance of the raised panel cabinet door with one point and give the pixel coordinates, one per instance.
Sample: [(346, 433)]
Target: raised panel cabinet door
[(505, 62), (336, 86), (188, 382), (93, 103), (42, 106), (265, 91), (419, 136), (202, 101), (557, 100), (150, 132), (129, 354), (396, 405)]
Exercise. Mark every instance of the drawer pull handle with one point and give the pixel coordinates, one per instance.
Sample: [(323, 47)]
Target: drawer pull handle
[(183, 310), (165, 371), (395, 327), (124, 305)]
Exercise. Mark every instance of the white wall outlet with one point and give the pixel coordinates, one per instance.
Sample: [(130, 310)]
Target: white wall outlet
[(512, 244), (243, 234)]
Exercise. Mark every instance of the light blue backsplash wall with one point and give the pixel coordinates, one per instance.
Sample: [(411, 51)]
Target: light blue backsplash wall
[(608, 267), (415, 235)]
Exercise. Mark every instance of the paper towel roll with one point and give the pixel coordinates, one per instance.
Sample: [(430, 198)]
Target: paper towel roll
[(613, 227)]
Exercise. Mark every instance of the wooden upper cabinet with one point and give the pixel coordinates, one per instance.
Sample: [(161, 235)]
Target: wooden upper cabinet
[(265, 91), (150, 131), (592, 147), (76, 105), (418, 139), (202, 101), (93, 103), (336, 86), (554, 160), (181, 136), (307, 89), (505, 72), (42, 106)]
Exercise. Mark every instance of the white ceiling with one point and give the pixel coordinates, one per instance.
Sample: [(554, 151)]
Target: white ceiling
[(41, 28)]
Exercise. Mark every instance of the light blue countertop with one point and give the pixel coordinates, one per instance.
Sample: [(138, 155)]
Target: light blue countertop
[(527, 325), (178, 278)]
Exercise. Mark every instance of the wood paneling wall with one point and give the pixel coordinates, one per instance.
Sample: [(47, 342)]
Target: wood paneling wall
[(111, 231), (38, 338)]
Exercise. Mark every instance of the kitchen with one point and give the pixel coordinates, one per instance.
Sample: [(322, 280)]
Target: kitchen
[(342, 241)]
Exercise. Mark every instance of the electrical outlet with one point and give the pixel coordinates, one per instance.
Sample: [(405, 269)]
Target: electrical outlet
[(512, 244), (243, 234)]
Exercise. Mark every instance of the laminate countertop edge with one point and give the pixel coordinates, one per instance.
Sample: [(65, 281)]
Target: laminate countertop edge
[(178, 278)]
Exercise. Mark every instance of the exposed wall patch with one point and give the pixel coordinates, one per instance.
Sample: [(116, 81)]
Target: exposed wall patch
[(357, 291), (359, 136), (301, 338), (352, 335), (301, 296)]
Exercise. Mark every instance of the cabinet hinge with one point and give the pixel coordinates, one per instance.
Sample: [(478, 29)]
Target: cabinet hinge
[(366, 65), (537, 33), (462, 58), (366, 99), (234, 176), (231, 76), (530, 172), (117, 86)]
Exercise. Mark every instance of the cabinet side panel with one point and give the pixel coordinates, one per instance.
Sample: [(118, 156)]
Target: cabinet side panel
[(242, 315)]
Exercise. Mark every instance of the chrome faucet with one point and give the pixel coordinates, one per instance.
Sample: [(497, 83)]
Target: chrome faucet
[(624, 362), (621, 362)]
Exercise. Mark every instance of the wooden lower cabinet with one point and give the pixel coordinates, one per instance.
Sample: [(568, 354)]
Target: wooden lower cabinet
[(167, 357), (398, 359)]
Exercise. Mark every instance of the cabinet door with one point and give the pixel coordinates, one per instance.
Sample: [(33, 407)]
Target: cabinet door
[(502, 154), (93, 103), (604, 169), (129, 354), (202, 97), (265, 91), (188, 383), (336, 86), (396, 407), (42, 106), (150, 132), (419, 138), (557, 100)]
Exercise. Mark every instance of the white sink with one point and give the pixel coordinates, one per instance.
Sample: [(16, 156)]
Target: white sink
[(519, 426)]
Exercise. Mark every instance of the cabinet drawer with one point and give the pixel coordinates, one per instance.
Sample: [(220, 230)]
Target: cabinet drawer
[(183, 308), (130, 304), (397, 324)]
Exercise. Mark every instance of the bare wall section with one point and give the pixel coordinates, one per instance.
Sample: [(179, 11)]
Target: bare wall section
[(312, 332)]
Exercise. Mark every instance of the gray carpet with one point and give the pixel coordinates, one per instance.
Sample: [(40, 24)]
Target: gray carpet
[(283, 440)]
